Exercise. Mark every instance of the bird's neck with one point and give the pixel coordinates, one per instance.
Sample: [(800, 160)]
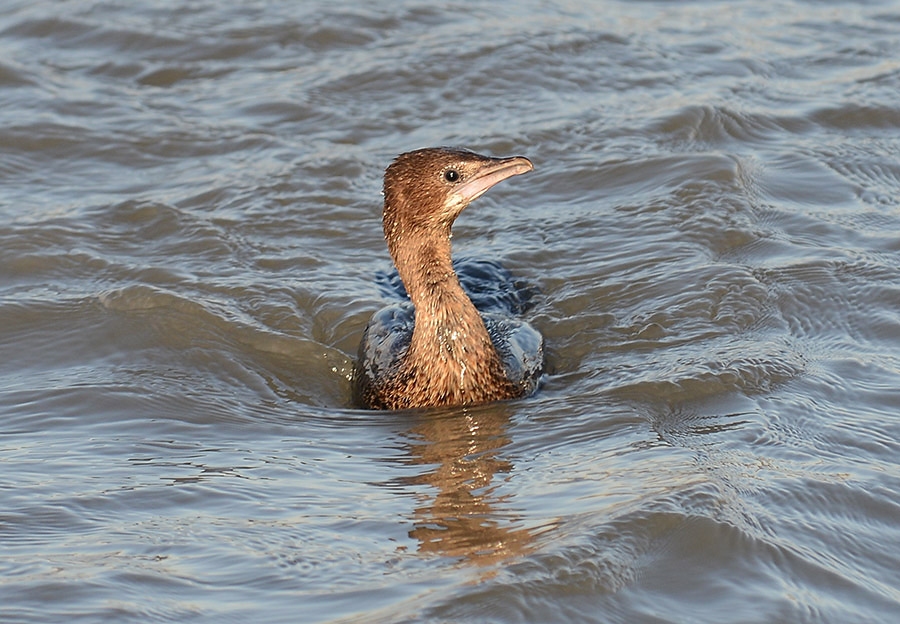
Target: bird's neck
[(449, 337)]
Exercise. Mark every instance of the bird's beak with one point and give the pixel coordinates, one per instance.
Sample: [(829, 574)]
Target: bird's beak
[(493, 171)]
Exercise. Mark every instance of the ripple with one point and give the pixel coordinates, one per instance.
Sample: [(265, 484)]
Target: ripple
[(850, 117), (681, 379), (698, 126), (14, 75), (829, 299)]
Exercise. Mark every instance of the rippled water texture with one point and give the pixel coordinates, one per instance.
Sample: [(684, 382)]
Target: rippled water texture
[(190, 247)]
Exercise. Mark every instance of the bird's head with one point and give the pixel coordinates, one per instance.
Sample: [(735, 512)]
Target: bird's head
[(425, 190)]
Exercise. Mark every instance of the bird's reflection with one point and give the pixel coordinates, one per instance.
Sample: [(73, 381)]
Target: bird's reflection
[(461, 451)]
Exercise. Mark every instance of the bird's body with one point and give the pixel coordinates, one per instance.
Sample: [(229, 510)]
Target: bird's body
[(437, 349)]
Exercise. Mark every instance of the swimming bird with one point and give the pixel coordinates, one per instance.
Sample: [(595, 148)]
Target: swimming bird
[(437, 349)]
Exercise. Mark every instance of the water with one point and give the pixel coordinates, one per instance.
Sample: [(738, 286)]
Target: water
[(190, 248)]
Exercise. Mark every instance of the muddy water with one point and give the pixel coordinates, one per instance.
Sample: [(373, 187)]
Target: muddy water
[(190, 247)]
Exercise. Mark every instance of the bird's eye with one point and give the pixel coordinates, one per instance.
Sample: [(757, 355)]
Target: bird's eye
[(451, 175)]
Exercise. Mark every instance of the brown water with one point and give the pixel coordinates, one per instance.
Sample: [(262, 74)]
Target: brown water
[(190, 247)]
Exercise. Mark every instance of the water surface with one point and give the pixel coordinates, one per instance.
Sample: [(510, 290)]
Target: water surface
[(190, 247)]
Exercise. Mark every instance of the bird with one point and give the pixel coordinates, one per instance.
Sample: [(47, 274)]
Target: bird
[(437, 349)]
